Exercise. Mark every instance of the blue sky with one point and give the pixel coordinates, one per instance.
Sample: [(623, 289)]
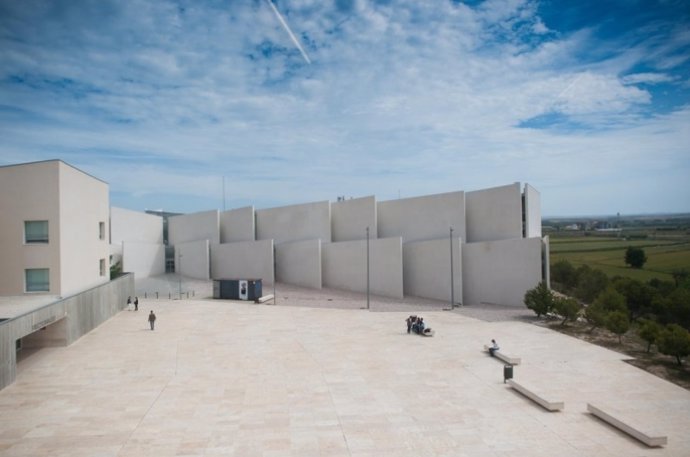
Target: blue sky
[(588, 101)]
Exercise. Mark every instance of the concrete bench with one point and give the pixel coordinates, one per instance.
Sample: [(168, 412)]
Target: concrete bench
[(546, 404), (627, 427), (264, 299), (504, 357)]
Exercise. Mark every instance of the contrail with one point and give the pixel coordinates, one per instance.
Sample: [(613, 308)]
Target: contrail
[(287, 29)]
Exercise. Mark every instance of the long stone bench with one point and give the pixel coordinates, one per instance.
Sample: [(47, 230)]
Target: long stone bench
[(504, 357), (546, 404), (628, 427)]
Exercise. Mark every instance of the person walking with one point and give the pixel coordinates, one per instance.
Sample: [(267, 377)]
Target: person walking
[(152, 319), (129, 303), (136, 303)]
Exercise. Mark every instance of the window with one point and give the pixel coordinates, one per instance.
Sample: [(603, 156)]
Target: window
[(101, 230), (101, 266), (37, 280), (35, 232)]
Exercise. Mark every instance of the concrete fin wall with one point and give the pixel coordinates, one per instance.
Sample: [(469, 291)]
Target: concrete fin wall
[(532, 212), (237, 225), (500, 272), (243, 260), (422, 218), (308, 221), (344, 266), (426, 269), (195, 260), (299, 263), (546, 260), (143, 259), (204, 225), (494, 214), (350, 218), (127, 225)]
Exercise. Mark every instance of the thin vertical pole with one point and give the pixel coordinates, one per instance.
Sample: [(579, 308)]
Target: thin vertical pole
[(223, 193), (452, 276), (179, 257), (367, 267)]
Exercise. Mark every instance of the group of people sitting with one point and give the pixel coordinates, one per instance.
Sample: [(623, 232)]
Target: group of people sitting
[(416, 324)]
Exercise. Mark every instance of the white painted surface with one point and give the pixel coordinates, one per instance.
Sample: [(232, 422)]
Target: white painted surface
[(532, 212), (500, 272), (494, 214), (344, 266), (243, 260), (237, 225), (143, 259), (128, 225), (308, 221), (422, 218), (299, 263), (426, 269), (350, 218), (195, 259), (203, 225)]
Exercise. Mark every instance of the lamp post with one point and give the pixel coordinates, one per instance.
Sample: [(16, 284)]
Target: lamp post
[(452, 276), (179, 258), (367, 267)]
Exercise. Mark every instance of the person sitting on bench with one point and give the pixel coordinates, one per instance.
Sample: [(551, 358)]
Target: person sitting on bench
[(494, 347)]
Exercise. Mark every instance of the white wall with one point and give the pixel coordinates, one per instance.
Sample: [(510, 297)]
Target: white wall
[(494, 214), (426, 269), (422, 218), (294, 223), (204, 225), (532, 212), (143, 259), (28, 192), (350, 218), (237, 225), (546, 260), (243, 260), (128, 225), (195, 260), (344, 266), (299, 263), (500, 272)]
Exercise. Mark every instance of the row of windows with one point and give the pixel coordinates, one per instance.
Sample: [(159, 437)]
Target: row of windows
[(38, 279), (37, 231)]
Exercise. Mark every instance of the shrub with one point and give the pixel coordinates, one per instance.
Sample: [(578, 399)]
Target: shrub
[(617, 322), (649, 331), (568, 308), (539, 299), (675, 341)]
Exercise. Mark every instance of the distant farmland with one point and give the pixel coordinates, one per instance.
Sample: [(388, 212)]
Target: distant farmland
[(664, 254)]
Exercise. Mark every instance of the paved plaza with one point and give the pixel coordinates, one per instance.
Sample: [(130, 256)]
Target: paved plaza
[(323, 377)]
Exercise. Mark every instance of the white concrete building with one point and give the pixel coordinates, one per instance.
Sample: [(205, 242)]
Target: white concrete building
[(491, 237), (54, 229)]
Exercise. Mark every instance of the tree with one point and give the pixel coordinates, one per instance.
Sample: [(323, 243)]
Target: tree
[(606, 302), (590, 283), (618, 323), (680, 275), (638, 296), (595, 315), (635, 257), (539, 299), (675, 341), (649, 331), (568, 308), (563, 273)]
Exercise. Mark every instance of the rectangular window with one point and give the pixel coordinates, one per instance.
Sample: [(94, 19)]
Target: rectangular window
[(36, 231), (101, 230), (37, 280), (101, 266)]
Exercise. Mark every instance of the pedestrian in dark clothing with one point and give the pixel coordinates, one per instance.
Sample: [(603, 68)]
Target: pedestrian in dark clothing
[(152, 319), (136, 303), (129, 303)]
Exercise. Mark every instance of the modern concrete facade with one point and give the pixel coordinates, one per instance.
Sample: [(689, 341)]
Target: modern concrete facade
[(136, 240), (54, 229), (493, 236)]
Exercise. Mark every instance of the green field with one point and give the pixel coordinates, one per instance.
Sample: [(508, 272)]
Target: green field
[(608, 253)]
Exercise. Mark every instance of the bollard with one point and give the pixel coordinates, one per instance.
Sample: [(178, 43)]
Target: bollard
[(507, 373)]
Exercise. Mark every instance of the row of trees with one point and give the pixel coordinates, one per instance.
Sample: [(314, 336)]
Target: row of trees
[(658, 310)]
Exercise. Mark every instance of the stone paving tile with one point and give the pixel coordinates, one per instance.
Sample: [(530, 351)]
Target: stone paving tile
[(238, 379)]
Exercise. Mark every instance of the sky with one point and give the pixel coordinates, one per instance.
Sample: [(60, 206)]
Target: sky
[(188, 106)]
